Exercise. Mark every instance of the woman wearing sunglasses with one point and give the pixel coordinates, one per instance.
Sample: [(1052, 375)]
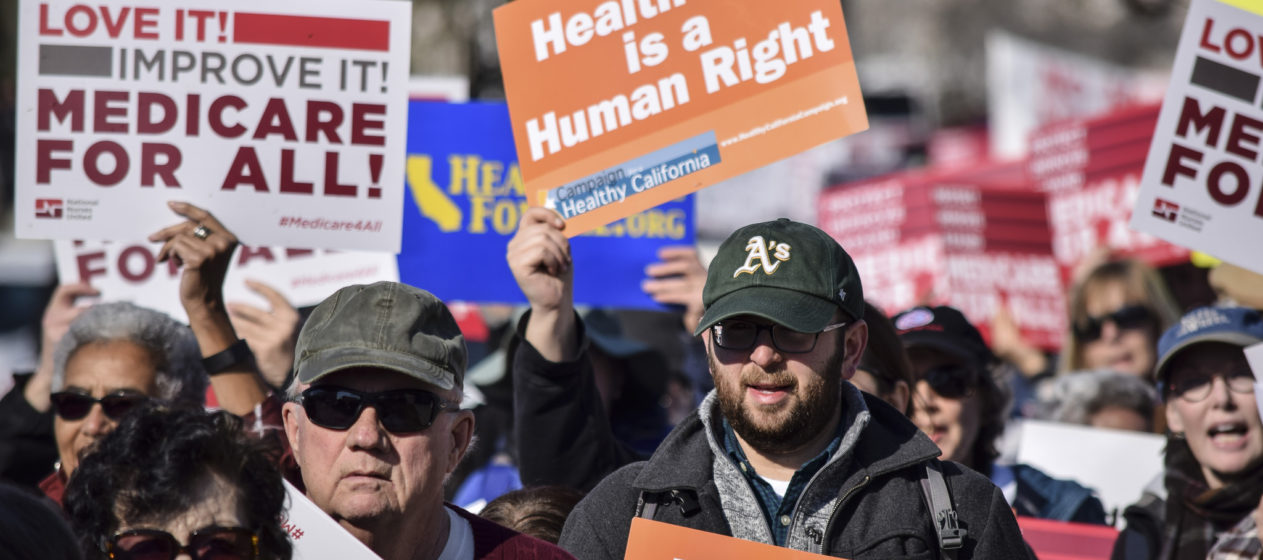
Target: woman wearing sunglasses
[(173, 480), (962, 408), (115, 356), (1116, 314)]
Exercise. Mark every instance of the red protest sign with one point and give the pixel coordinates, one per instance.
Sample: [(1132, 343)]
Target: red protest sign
[(974, 238), (1059, 540)]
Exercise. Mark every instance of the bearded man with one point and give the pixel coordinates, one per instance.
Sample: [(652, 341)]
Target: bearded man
[(784, 451)]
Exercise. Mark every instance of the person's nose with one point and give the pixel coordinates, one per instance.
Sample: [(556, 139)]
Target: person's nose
[(1220, 392), (96, 423), (1110, 331), (764, 352), (366, 432)]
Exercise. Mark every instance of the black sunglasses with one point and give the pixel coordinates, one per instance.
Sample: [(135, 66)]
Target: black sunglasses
[(952, 381), (399, 410), (741, 335), (72, 405), (209, 543), (1129, 317)]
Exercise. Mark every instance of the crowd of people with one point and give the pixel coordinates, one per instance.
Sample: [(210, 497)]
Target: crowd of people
[(791, 412)]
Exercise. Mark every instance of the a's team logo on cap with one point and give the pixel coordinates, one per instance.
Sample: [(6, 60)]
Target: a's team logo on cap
[(49, 208), (914, 319), (759, 254), (1165, 209)]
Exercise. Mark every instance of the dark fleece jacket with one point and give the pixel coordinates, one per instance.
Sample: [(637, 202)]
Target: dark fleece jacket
[(866, 503)]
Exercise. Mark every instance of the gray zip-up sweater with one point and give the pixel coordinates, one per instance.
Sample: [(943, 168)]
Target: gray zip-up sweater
[(865, 503)]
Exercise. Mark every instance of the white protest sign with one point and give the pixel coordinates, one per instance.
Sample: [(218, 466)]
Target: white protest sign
[(1203, 185), (1254, 355), (315, 535), (287, 120), (129, 272), (1116, 464)]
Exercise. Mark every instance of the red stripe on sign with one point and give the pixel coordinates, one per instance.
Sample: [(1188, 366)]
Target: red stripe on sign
[(306, 31)]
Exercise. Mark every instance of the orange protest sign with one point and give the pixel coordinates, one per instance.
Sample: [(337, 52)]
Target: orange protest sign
[(654, 540), (621, 105)]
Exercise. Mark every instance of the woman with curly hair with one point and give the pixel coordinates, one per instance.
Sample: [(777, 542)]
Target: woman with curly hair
[(171, 480)]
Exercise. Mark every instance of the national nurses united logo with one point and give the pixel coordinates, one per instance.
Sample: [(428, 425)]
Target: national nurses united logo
[(1166, 210), (49, 208), (759, 254)]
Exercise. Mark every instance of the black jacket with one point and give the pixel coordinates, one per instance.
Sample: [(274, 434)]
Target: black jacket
[(867, 503), (27, 448), (563, 434)]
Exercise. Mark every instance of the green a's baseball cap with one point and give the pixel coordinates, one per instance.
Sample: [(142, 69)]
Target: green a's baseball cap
[(384, 325), (784, 271)]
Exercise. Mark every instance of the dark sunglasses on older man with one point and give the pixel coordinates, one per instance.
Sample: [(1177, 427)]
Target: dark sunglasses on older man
[(399, 410), (1125, 318), (210, 543), (72, 405)]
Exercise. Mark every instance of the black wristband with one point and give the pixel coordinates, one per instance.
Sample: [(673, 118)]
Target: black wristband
[(238, 353)]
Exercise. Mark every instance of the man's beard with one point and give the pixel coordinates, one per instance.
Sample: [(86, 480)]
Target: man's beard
[(815, 406)]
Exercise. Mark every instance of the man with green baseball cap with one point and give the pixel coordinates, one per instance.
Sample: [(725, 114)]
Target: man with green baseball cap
[(783, 451)]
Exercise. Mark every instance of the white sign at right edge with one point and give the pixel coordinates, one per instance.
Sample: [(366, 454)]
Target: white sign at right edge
[(1254, 355), (1203, 184)]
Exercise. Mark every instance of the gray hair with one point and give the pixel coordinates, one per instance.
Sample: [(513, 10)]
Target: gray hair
[(180, 375), (1074, 398)]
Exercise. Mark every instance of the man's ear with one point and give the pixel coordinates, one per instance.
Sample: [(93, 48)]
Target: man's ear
[(462, 433), (289, 416), (856, 342)]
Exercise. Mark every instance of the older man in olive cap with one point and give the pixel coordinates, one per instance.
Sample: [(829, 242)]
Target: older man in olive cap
[(375, 425)]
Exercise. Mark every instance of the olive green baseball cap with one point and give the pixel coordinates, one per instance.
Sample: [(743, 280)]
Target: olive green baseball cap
[(384, 325), (784, 271)]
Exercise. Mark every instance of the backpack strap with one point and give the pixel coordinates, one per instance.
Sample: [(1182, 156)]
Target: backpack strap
[(946, 525), (647, 507), (647, 504)]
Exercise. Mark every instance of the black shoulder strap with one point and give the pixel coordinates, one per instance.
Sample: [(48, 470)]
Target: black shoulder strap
[(647, 504), (950, 536), (647, 507)]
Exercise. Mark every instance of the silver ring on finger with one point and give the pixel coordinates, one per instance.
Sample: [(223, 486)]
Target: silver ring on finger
[(201, 232)]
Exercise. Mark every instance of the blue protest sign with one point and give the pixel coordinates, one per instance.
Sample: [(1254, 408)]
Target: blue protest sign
[(464, 201)]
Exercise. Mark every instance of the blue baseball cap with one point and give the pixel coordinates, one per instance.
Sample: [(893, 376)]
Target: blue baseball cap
[(1239, 326)]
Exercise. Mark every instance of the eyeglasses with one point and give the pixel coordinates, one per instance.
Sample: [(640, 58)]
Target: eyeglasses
[(72, 405), (399, 410), (210, 543), (741, 335), (1125, 318), (953, 381), (1194, 388)]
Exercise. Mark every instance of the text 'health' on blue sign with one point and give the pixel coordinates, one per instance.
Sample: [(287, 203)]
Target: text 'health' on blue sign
[(466, 198)]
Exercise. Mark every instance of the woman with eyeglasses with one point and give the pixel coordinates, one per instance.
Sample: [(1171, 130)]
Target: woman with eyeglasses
[(172, 480), (1208, 499), (1116, 314)]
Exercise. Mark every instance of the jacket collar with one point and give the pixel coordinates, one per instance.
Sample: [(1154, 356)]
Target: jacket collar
[(890, 442)]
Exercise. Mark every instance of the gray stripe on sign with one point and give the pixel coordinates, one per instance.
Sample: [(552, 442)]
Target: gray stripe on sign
[(1225, 79), (70, 60)]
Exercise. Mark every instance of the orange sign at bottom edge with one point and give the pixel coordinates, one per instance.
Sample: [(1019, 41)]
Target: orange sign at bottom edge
[(654, 540)]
